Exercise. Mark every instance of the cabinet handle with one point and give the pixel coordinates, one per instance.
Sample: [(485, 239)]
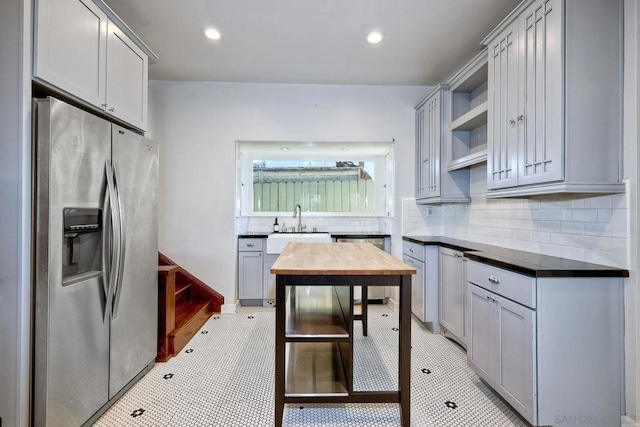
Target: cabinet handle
[(105, 105), (494, 279), (520, 117), (112, 109), (458, 255), (250, 245), (512, 122)]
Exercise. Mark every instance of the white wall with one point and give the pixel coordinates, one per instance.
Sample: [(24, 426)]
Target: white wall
[(197, 125)]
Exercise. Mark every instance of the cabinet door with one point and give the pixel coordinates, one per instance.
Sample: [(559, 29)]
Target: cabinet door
[(481, 341), (431, 150), (126, 79), (269, 280), (541, 147), (250, 275), (515, 375), (503, 129), (419, 152), (451, 293), (417, 287), (70, 47)]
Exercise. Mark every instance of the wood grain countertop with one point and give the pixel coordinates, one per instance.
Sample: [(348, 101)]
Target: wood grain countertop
[(344, 259)]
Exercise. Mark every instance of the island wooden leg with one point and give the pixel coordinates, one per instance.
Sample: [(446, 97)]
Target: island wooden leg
[(365, 310), (404, 366), (280, 350)]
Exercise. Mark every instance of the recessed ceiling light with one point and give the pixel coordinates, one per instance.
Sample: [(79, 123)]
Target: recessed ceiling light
[(211, 33), (284, 148), (344, 149), (375, 37)]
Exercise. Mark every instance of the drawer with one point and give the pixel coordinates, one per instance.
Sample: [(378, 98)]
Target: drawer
[(514, 286), (250, 245), (414, 250)]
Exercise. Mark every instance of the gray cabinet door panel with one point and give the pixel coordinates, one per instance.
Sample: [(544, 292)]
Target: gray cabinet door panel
[(503, 129), (250, 275), (515, 377), (541, 89), (481, 340), (451, 294)]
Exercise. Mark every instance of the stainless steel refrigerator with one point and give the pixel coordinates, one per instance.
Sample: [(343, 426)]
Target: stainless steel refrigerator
[(95, 262)]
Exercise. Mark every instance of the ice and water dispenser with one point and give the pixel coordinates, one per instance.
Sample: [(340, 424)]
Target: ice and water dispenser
[(81, 244)]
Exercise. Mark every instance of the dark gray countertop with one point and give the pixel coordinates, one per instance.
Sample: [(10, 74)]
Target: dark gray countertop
[(336, 234), (531, 264)]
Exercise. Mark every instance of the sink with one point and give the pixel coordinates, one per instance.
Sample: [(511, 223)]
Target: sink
[(277, 241)]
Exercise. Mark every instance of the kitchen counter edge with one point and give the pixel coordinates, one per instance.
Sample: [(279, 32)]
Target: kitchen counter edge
[(528, 263), (337, 235)]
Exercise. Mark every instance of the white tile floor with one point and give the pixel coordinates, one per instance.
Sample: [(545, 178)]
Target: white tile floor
[(225, 378)]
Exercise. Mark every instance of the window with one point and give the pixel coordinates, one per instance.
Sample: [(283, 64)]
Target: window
[(333, 179)]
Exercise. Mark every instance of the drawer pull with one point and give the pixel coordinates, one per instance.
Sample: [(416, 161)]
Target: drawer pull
[(410, 250), (250, 245), (494, 279)]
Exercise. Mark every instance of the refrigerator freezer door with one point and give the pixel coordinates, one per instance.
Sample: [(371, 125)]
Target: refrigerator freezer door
[(135, 308), (71, 347)]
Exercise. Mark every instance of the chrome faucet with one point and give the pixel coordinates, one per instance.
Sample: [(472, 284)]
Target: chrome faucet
[(297, 211)]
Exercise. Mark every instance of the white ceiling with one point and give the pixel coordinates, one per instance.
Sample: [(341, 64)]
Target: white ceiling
[(311, 41)]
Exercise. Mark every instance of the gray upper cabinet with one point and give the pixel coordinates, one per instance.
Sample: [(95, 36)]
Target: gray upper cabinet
[(434, 184), (81, 49), (554, 99), (70, 45), (127, 78)]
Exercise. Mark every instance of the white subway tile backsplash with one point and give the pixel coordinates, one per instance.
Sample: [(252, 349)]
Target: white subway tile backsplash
[(584, 215), (604, 244), (601, 202), (604, 215), (560, 239), (584, 242), (572, 227), (593, 229)]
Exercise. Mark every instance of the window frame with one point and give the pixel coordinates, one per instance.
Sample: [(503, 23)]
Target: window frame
[(383, 177)]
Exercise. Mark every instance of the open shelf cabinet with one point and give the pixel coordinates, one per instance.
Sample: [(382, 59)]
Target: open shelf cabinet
[(467, 139)]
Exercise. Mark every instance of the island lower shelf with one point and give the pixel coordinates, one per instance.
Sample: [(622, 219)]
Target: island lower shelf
[(316, 312), (314, 369)]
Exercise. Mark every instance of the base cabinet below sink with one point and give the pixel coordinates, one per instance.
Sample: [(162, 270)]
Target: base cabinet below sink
[(550, 346)]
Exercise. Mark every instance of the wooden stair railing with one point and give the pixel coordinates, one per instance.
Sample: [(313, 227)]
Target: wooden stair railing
[(185, 303)]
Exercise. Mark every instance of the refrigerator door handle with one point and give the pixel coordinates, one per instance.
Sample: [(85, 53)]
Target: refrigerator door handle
[(107, 247), (121, 252), (114, 240)]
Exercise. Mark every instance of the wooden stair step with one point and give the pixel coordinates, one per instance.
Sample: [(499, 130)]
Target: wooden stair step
[(190, 316), (181, 287)]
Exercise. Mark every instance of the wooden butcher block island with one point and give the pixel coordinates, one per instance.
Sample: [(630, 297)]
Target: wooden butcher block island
[(314, 323)]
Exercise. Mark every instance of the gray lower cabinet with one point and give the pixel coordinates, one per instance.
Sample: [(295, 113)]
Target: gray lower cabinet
[(250, 269), (424, 284), (550, 346), (502, 348), (269, 281), (452, 295)]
